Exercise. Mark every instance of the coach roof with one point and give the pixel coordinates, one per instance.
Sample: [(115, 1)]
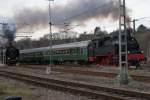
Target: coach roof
[(69, 45)]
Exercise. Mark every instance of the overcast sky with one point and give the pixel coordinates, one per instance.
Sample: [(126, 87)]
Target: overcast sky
[(138, 9)]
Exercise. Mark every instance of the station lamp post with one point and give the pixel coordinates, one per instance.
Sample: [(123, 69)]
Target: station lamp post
[(48, 69)]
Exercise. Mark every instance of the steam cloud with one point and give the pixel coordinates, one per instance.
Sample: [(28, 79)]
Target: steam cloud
[(7, 31), (73, 12)]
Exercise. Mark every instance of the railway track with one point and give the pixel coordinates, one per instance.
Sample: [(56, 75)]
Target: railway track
[(141, 78), (102, 92)]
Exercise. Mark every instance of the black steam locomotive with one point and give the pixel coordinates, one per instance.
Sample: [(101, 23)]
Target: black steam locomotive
[(107, 50), (12, 55)]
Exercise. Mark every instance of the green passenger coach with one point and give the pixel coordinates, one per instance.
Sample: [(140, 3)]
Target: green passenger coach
[(77, 52)]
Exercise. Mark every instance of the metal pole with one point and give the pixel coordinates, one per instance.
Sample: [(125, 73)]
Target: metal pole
[(1, 51), (3, 56), (148, 51), (123, 55), (48, 69), (134, 30), (120, 66)]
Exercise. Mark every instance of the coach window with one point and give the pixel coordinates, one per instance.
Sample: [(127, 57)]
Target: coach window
[(59, 52), (56, 52), (50, 52), (71, 51), (38, 53), (81, 50), (53, 52), (84, 50), (75, 50), (43, 53), (47, 52), (66, 51)]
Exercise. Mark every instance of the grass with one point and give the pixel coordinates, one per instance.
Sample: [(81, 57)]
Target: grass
[(7, 90)]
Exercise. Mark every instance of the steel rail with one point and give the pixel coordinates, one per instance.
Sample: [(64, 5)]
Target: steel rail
[(77, 87), (141, 78)]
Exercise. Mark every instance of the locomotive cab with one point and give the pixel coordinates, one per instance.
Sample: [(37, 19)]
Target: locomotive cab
[(104, 51)]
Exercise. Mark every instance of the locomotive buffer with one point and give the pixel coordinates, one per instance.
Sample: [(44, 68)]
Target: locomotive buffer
[(123, 59)]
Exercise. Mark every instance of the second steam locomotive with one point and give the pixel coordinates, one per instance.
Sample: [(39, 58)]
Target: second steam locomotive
[(12, 55)]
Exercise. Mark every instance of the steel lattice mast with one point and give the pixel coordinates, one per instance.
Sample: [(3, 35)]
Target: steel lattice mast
[(123, 59)]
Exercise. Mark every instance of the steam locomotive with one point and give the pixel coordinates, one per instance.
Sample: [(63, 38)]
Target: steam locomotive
[(107, 50), (12, 55), (101, 51)]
